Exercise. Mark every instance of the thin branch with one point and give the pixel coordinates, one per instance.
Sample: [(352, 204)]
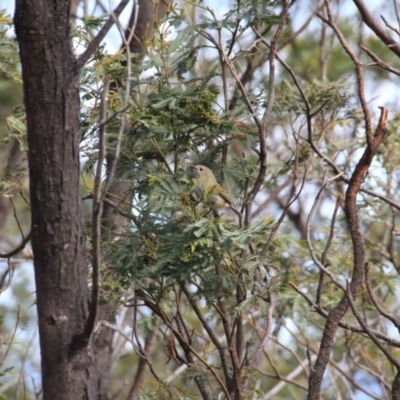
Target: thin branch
[(396, 9), (149, 347), (210, 331), (100, 195), (10, 341), (326, 249), (378, 62), (375, 27), (352, 380), (17, 249), (292, 37), (351, 211), (283, 380), (375, 302), (359, 71), (10, 272), (272, 196), (265, 335), (386, 199), (141, 352), (16, 217), (310, 246), (236, 77), (115, 158), (106, 121), (266, 117), (96, 213), (310, 140), (127, 215), (345, 325), (289, 201), (393, 28), (369, 332), (309, 112), (94, 44)]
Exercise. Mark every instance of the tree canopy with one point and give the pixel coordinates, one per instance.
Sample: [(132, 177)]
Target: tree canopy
[(142, 291)]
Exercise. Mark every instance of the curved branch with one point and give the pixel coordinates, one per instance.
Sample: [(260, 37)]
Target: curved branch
[(266, 117), (361, 321), (17, 249), (350, 208), (367, 17), (395, 321), (345, 325), (378, 62)]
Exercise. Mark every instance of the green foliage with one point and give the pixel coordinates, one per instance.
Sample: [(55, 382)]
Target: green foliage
[(10, 75), (175, 244), (8, 51), (329, 96), (195, 272)]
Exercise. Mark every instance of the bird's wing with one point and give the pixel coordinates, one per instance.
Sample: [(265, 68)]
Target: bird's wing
[(224, 194)]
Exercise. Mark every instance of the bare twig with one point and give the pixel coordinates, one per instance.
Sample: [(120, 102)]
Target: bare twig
[(265, 334), (396, 9), (211, 333), (393, 28), (345, 325), (283, 380), (17, 249), (10, 273), (100, 125), (369, 332), (96, 212), (310, 246), (375, 302), (262, 134), (149, 347), (116, 207), (289, 201), (358, 65), (310, 140), (292, 37), (375, 27), (141, 351), (99, 196), (337, 312), (94, 44), (326, 249), (16, 217), (378, 62)]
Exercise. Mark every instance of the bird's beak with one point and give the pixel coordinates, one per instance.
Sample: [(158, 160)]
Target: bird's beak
[(193, 170)]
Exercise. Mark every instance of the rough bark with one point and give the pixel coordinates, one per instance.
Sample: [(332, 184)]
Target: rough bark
[(396, 387), (50, 79)]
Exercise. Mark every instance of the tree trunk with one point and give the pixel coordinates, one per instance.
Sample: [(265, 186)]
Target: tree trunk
[(50, 77)]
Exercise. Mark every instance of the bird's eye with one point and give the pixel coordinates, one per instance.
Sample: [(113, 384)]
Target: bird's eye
[(201, 169)]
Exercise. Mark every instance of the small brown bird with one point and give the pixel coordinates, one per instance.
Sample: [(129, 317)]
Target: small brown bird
[(210, 191)]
